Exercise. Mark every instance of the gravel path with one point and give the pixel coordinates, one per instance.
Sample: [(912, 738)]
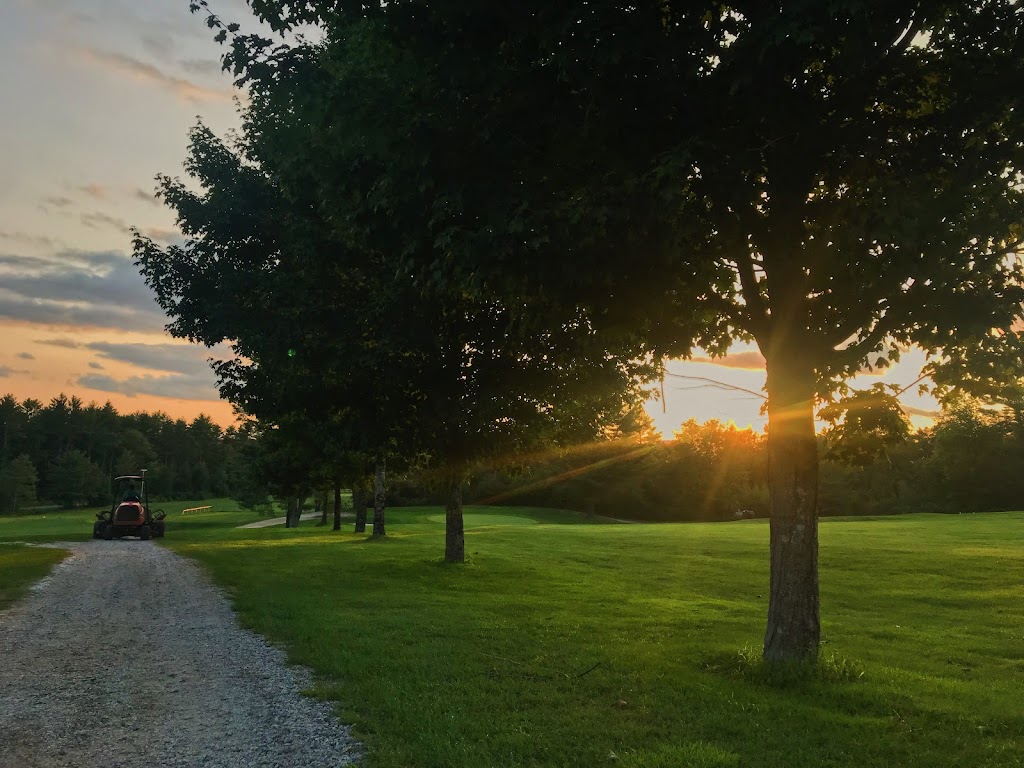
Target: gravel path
[(126, 655)]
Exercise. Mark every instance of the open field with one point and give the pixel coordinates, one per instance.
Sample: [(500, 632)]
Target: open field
[(77, 525), (563, 642)]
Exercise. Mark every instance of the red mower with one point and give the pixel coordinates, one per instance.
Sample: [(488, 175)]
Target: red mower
[(129, 513)]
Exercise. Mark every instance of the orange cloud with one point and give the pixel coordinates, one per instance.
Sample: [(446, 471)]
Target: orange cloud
[(747, 361), (97, 191), (147, 73), (913, 410)]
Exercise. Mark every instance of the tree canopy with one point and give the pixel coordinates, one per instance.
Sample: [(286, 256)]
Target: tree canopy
[(395, 368), (832, 181)]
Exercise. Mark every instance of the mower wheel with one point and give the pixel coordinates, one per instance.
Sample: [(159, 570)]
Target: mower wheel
[(108, 532), (144, 532)]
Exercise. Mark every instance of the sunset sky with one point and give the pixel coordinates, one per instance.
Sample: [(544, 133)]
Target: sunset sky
[(97, 98)]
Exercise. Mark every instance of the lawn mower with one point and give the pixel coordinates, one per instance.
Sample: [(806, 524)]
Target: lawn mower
[(129, 513)]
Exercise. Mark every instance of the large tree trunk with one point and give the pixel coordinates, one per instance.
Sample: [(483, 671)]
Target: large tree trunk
[(337, 505), (299, 502), (793, 626), (289, 514), (378, 497), (322, 504), (454, 533), (359, 506)]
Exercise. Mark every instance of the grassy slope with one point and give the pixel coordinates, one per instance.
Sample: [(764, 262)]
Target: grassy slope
[(21, 566), (483, 665)]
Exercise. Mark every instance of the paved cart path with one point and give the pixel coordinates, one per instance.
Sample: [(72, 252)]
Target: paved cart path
[(126, 655)]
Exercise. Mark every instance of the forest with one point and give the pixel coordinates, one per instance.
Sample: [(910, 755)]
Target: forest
[(971, 460), (66, 452)]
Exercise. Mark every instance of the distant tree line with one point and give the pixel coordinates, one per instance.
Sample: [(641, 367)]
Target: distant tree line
[(66, 453), (970, 460)]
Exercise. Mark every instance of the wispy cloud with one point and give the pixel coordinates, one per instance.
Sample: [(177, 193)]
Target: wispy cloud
[(24, 238), (202, 67), (158, 44), (747, 361), (177, 386), (64, 343), (147, 197), (95, 191), (98, 219), (14, 265), (57, 201), (26, 356), (95, 366), (187, 359), (162, 235), (140, 71), (913, 410), (77, 288), (6, 371), (182, 371)]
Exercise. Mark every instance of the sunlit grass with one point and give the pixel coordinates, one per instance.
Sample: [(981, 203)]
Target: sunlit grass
[(567, 642), (571, 642)]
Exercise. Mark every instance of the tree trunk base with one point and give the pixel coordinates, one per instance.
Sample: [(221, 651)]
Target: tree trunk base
[(793, 630), (454, 530), (337, 506), (378, 499)]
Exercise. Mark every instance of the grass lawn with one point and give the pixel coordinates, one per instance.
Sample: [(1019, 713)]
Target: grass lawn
[(563, 642), (76, 525), (21, 566)]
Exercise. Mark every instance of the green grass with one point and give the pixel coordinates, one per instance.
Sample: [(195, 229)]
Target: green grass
[(565, 642), (21, 566), (76, 525)]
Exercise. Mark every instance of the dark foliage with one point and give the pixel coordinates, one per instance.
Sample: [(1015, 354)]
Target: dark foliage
[(75, 449)]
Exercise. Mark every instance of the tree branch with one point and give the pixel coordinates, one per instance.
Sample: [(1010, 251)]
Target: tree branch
[(901, 43), (750, 289), (718, 384), (861, 349)]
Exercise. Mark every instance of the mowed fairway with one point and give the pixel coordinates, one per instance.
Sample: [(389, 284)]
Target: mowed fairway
[(568, 643), (563, 642)]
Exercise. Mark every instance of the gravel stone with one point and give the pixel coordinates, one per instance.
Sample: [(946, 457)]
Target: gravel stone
[(126, 655)]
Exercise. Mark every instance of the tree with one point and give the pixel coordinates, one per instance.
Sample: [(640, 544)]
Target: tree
[(256, 268), (454, 376), (18, 482), (75, 480), (976, 460), (824, 179), (989, 367), (866, 425), (13, 424)]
